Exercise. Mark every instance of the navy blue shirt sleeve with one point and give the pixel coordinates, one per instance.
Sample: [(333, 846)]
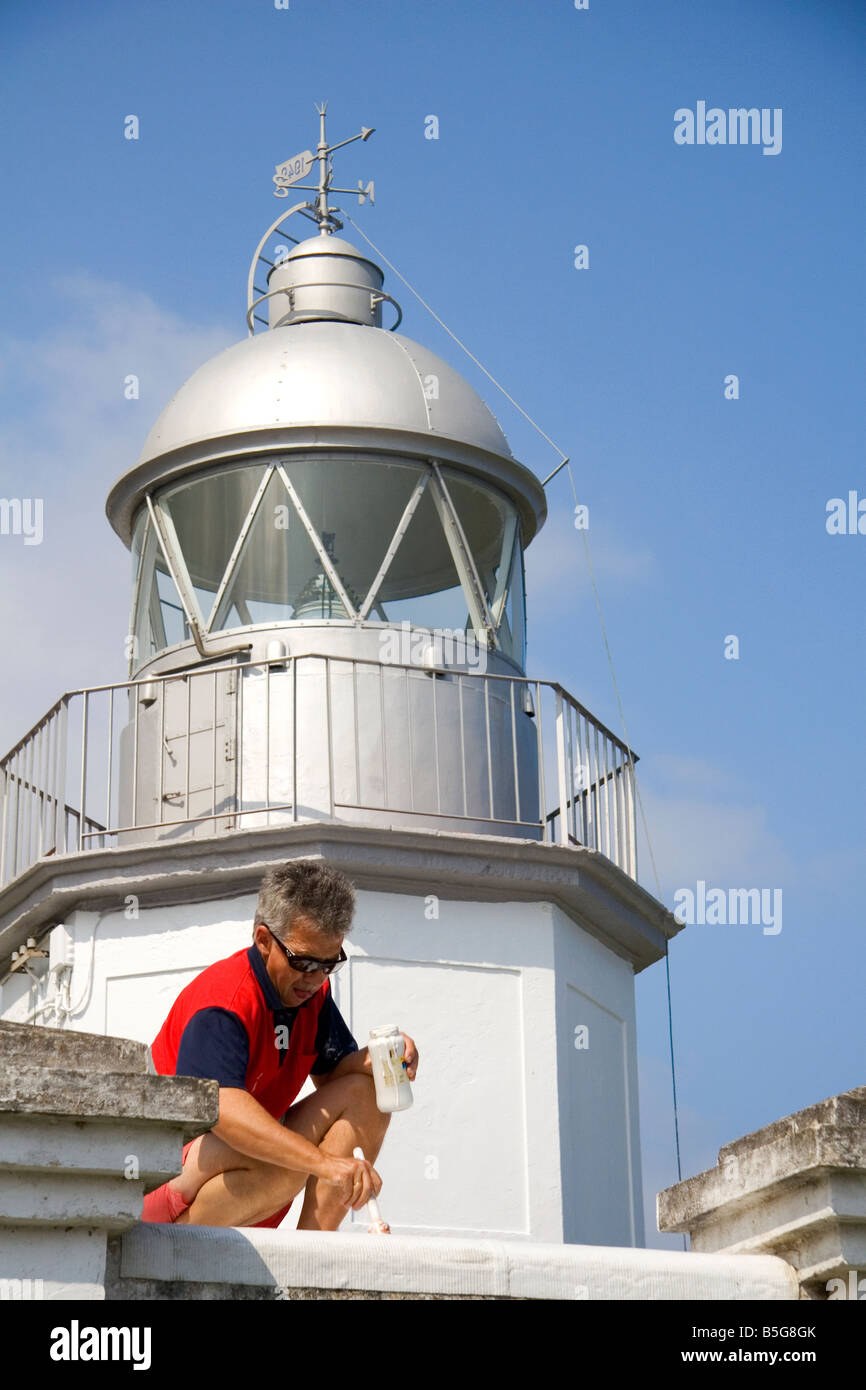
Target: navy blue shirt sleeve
[(214, 1045), (333, 1039)]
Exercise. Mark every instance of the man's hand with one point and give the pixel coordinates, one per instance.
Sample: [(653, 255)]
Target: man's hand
[(355, 1179), (410, 1056), (360, 1062)]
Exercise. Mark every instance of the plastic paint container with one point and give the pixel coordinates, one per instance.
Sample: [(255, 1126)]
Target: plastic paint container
[(393, 1088)]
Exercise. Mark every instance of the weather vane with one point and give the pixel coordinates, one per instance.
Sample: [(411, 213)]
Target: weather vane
[(299, 166)]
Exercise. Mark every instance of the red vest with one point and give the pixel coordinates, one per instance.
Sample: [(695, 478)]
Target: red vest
[(231, 984)]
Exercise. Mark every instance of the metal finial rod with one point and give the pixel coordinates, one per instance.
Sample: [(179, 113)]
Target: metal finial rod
[(322, 153)]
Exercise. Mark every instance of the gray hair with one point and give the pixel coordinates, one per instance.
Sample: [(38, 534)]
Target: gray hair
[(306, 888)]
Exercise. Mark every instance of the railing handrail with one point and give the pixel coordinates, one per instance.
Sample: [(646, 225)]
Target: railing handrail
[(555, 686), (58, 704)]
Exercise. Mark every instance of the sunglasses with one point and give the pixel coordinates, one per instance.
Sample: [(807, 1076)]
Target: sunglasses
[(308, 965)]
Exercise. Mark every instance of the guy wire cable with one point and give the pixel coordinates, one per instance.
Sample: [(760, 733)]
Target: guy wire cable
[(565, 463)]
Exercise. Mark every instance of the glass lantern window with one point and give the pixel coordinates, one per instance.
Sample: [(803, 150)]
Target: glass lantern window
[(491, 525), (355, 506), (208, 512), (422, 585), (278, 572), (251, 559)]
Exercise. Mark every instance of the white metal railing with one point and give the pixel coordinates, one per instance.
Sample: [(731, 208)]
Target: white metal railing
[(233, 746)]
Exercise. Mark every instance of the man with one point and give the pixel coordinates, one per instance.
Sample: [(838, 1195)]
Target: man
[(260, 1022)]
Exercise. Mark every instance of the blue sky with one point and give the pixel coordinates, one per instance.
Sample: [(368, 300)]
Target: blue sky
[(707, 515)]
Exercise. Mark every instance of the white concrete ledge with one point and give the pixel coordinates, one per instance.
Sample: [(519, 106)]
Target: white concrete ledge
[(432, 1265), (796, 1188), (391, 858)]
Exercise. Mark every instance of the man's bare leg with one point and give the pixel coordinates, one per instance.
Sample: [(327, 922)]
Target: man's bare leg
[(228, 1188), (362, 1126)]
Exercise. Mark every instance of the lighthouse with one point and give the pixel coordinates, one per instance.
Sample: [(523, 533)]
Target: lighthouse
[(327, 659)]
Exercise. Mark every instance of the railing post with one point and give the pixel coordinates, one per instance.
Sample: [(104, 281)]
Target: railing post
[(16, 786), (632, 821), (489, 748), (435, 681), (606, 745), (238, 735), (596, 792), (4, 773), (294, 661), (110, 768), (410, 738), (83, 785), (213, 749), (27, 816), (514, 755), (330, 719), (163, 694), (268, 741), (60, 781), (620, 827), (542, 794), (356, 742), (560, 771), (462, 738), (190, 677)]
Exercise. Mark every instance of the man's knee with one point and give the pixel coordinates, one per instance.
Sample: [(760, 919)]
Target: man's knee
[(361, 1097)]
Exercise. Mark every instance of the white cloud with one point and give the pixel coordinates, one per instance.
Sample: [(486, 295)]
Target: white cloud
[(556, 567), (68, 433), (695, 834)]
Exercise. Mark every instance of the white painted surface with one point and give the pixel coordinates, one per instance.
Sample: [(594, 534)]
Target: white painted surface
[(70, 1263), (597, 1057)]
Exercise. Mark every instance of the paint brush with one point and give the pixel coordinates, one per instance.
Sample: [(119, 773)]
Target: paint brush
[(377, 1226)]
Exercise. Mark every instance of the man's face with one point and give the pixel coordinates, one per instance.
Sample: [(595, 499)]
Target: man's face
[(303, 938)]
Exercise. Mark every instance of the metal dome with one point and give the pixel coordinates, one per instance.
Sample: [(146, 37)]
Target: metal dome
[(327, 246), (326, 374)]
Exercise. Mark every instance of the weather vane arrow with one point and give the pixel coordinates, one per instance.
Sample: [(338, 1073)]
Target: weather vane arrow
[(298, 167)]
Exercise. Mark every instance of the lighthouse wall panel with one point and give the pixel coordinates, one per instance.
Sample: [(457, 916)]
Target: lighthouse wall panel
[(125, 997), (144, 957), (598, 1097), (478, 978), (456, 1159)]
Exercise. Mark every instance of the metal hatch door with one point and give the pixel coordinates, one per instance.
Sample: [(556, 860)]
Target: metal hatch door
[(179, 756)]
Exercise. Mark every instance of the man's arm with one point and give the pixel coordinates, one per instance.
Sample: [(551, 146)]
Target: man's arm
[(338, 1052), (352, 1063), (248, 1129), (246, 1126), (215, 1044), (215, 1041), (361, 1062)]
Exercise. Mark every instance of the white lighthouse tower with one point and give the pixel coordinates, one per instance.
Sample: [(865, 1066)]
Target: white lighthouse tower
[(327, 659)]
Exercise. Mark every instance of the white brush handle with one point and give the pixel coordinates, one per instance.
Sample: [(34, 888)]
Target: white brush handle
[(372, 1204)]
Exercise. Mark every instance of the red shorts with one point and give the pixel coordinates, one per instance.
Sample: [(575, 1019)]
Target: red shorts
[(165, 1205)]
